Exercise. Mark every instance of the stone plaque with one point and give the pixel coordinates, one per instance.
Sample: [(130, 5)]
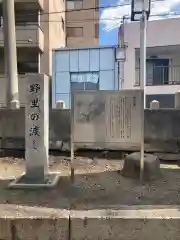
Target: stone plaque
[(37, 126)]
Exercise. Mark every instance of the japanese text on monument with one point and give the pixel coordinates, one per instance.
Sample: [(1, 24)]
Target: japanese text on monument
[(34, 114)]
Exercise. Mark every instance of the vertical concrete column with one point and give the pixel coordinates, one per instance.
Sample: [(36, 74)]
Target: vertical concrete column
[(10, 54), (129, 69), (37, 126), (177, 100)]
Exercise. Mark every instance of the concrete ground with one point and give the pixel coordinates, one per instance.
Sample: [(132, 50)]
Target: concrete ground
[(98, 185)]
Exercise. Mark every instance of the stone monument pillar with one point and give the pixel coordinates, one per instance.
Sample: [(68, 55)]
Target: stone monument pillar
[(37, 126), (37, 135)]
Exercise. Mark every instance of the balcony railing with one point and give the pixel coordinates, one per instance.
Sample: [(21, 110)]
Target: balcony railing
[(38, 3), (26, 36), (160, 75)]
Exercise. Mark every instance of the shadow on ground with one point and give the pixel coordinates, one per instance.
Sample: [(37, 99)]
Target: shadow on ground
[(98, 191)]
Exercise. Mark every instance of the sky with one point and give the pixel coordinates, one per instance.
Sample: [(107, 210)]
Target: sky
[(111, 17), (106, 37)]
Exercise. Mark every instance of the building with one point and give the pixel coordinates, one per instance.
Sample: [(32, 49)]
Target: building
[(163, 61), (93, 68), (82, 22), (42, 25), (37, 32)]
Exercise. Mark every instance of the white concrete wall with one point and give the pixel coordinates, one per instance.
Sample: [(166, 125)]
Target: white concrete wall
[(160, 33), (165, 89)]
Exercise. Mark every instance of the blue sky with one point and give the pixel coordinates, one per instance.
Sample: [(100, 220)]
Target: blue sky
[(109, 28), (107, 38)]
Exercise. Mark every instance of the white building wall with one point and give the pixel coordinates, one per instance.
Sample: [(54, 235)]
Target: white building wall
[(129, 68), (160, 33), (167, 89)]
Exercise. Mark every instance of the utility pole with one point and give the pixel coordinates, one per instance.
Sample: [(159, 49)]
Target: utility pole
[(142, 8), (143, 29), (121, 45), (10, 54)]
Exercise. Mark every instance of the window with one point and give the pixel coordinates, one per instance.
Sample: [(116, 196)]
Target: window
[(157, 71), (84, 81), (74, 4), (25, 18), (74, 31), (27, 67), (96, 30)]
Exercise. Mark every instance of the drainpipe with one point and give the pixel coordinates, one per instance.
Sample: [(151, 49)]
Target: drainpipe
[(121, 45), (10, 54)]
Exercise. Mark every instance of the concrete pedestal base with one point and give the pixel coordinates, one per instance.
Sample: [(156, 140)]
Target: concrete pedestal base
[(49, 181), (131, 166), (14, 105)]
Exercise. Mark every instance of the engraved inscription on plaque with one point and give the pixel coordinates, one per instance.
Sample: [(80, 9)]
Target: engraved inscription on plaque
[(34, 114), (120, 124)]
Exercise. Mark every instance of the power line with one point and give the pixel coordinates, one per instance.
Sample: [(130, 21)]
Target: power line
[(60, 21), (84, 9), (23, 23), (95, 8), (78, 10), (114, 18), (90, 19)]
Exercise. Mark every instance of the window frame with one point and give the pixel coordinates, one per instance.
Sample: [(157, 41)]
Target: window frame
[(74, 1), (158, 65), (85, 75), (74, 35)]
